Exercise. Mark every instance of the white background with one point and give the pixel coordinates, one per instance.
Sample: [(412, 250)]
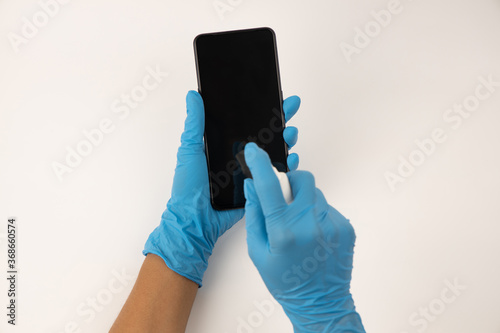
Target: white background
[(356, 119)]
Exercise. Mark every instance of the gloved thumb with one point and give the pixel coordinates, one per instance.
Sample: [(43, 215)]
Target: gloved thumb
[(255, 221), (194, 126)]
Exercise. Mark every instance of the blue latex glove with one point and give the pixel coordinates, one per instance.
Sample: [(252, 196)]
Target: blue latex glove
[(303, 250), (190, 226)]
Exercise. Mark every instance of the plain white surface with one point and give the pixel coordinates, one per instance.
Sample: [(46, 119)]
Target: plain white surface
[(356, 119)]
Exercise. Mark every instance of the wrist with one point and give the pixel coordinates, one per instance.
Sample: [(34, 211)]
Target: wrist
[(181, 242), (328, 316)]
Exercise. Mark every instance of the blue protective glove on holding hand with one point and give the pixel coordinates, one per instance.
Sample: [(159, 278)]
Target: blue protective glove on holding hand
[(302, 250), (190, 226)]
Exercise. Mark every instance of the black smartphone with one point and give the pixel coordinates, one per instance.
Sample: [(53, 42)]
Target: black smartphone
[(239, 81)]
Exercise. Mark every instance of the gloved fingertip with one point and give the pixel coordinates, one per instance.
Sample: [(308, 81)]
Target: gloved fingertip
[(291, 134), (250, 152), (293, 161), (194, 123), (295, 100), (267, 185), (192, 94), (291, 106), (193, 100), (189, 96)]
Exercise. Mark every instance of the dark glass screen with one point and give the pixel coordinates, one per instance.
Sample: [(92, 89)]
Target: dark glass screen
[(238, 78)]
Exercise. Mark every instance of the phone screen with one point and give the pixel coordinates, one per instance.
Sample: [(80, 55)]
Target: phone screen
[(238, 79)]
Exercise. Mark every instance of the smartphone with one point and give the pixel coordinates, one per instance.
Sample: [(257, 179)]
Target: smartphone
[(239, 81)]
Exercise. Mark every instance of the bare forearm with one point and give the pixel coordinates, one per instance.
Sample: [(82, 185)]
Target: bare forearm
[(160, 301)]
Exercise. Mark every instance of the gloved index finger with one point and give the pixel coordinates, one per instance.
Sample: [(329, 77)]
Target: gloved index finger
[(290, 107), (265, 181), (195, 120)]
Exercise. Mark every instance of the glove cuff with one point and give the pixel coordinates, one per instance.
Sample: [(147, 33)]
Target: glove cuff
[(339, 316), (180, 242)]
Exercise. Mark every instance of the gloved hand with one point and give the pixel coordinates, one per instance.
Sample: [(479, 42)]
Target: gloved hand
[(302, 250), (190, 226)]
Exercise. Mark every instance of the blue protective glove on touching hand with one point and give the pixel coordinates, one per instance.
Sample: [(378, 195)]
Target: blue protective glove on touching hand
[(302, 250), (190, 226)]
